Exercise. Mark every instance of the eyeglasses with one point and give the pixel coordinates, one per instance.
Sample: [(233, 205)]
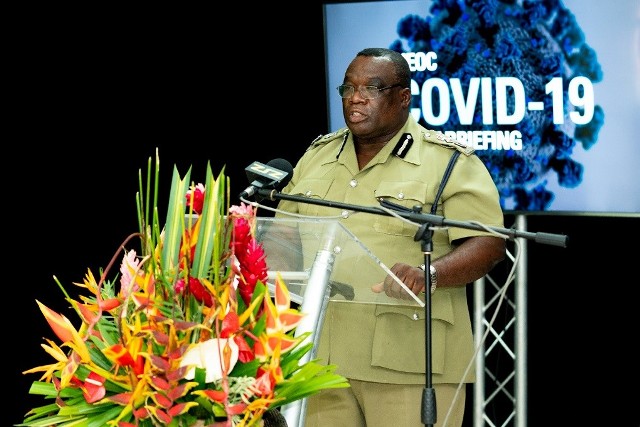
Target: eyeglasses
[(367, 92)]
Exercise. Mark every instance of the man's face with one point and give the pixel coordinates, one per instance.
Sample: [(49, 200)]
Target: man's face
[(373, 119)]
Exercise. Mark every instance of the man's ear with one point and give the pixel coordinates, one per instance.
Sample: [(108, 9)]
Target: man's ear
[(406, 97)]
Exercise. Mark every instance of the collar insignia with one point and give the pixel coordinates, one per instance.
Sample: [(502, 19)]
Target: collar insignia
[(403, 145)]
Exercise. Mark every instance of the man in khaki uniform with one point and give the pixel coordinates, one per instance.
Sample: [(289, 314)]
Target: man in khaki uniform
[(385, 153)]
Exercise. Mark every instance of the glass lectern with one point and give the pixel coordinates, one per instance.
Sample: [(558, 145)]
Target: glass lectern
[(320, 260)]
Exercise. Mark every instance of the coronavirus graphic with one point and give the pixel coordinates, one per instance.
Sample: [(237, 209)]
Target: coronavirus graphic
[(510, 68)]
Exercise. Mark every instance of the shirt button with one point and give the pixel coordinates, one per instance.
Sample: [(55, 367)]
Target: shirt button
[(353, 183), (400, 196), (308, 193)]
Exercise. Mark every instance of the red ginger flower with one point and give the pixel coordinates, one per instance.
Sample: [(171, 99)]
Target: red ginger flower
[(252, 265), (241, 232)]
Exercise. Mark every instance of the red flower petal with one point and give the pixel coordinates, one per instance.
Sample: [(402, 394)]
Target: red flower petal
[(94, 388)]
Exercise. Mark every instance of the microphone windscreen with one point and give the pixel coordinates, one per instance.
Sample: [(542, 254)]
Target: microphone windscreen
[(284, 166)]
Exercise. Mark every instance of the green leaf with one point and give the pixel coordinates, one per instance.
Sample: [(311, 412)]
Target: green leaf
[(211, 241), (309, 380), (174, 227)]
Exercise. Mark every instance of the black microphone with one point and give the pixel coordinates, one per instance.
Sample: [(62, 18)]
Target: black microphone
[(274, 175)]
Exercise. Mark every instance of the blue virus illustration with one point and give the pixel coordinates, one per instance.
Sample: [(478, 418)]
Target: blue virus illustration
[(535, 42)]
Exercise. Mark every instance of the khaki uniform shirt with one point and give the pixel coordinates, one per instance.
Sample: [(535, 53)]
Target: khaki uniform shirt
[(386, 342)]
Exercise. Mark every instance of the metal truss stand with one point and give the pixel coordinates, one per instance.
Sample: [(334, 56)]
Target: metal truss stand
[(500, 391)]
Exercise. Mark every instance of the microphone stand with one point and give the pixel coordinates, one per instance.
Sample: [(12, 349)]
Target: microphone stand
[(429, 412), (424, 234)]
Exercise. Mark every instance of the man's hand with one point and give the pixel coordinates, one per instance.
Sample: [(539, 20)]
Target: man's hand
[(412, 277)]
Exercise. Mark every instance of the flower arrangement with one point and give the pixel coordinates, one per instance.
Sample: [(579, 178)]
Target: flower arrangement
[(191, 336)]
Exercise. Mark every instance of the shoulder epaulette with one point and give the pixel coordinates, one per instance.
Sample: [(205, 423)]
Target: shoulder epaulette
[(443, 140), (325, 139)]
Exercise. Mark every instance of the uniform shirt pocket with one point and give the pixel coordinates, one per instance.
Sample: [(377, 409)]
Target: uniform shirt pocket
[(399, 336)]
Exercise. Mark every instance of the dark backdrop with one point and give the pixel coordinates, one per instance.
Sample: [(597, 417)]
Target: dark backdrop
[(94, 93)]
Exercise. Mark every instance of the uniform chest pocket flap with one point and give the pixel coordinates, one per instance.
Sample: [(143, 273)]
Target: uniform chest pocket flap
[(313, 189)]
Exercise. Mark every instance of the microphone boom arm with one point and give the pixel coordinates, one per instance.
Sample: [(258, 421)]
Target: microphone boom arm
[(419, 217)]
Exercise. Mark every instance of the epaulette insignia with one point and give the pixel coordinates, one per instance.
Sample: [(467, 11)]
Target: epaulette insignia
[(324, 139), (440, 139), (403, 145)]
